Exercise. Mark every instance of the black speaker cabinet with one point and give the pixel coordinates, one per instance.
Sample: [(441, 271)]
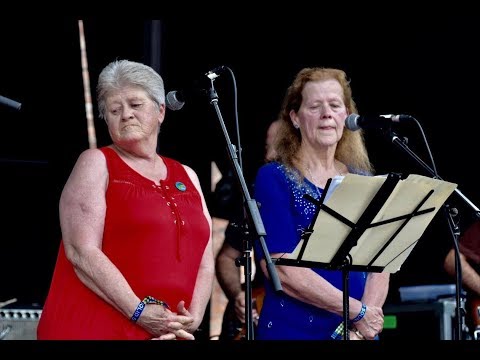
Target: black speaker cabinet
[(19, 324)]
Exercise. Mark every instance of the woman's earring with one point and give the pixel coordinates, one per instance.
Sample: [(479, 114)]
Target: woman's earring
[(296, 126)]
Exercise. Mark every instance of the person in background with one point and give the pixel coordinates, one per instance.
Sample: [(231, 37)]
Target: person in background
[(312, 145), (469, 246), (272, 130), (135, 261), (228, 273)]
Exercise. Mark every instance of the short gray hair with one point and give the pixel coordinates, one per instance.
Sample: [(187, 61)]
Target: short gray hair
[(122, 73)]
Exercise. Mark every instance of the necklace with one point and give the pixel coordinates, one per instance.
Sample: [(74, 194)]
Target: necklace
[(314, 180)]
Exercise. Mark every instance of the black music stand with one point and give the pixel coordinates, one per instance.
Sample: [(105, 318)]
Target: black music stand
[(376, 212)]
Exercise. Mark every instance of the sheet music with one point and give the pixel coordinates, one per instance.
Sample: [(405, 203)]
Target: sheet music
[(336, 180), (350, 198)]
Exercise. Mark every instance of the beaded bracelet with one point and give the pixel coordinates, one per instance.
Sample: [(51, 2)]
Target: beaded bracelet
[(338, 333), (147, 300), (361, 314)]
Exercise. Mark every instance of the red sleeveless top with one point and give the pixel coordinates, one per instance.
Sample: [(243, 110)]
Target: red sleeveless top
[(155, 235)]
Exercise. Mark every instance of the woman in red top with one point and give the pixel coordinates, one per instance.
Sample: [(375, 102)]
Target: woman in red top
[(136, 259)]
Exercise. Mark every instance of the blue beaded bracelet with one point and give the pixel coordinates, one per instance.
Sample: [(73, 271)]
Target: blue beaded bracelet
[(361, 314), (147, 300)]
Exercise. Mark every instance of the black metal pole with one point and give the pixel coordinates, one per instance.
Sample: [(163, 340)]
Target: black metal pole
[(256, 229)]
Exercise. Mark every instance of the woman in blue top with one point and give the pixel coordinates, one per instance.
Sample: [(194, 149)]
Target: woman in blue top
[(312, 146)]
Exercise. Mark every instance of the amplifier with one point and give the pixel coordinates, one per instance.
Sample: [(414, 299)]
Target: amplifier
[(19, 324), (422, 320)]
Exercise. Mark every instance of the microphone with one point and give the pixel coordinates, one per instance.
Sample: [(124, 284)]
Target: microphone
[(175, 99), (10, 103), (356, 122), (215, 72)]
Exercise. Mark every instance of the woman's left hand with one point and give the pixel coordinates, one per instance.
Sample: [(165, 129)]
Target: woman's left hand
[(180, 330), (354, 334)]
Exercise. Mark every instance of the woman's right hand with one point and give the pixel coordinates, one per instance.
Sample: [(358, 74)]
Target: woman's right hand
[(372, 323), (164, 324)]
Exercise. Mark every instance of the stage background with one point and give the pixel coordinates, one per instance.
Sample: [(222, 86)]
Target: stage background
[(417, 65)]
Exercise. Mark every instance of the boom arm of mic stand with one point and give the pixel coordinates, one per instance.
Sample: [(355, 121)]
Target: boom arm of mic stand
[(397, 141), (10, 103), (458, 270)]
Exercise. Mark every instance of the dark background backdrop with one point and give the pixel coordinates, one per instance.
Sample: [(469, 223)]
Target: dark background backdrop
[(419, 65)]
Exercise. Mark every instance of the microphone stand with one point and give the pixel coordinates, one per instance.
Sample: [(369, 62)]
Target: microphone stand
[(253, 217), (460, 311), (10, 103)]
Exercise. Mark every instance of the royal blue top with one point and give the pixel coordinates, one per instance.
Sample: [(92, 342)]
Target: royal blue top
[(285, 213)]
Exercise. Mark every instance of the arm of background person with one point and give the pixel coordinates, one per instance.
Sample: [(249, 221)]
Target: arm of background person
[(470, 278), (228, 275)]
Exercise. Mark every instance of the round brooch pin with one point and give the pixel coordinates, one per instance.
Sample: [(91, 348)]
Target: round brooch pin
[(180, 186)]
